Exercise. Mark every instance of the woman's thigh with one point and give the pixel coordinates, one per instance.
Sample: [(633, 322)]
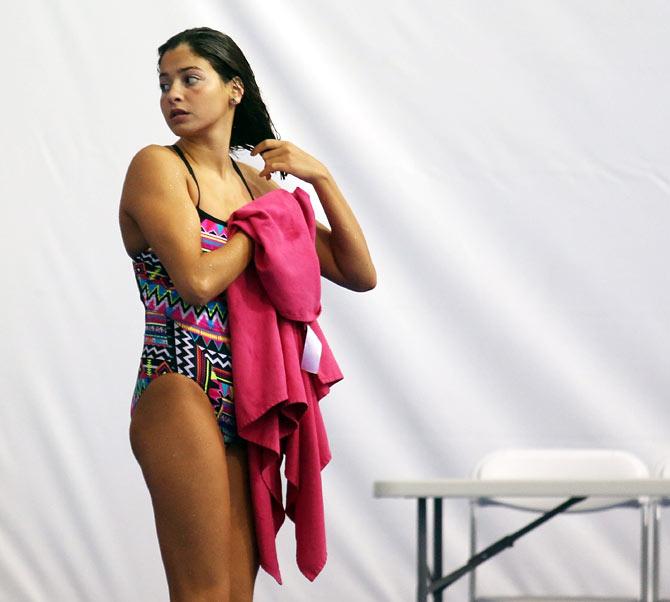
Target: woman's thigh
[(177, 442), (244, 564)]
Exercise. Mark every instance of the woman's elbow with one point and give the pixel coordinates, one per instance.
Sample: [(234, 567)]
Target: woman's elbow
[(194, 291), (365, 283)]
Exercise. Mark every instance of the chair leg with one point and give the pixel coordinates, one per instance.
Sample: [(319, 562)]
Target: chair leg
[(655, 560), (472, 579), (644, 552)]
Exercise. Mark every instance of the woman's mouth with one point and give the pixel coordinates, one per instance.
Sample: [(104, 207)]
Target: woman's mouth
[(175, 114)]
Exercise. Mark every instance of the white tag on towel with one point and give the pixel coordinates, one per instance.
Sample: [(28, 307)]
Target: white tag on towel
[(311, 354)]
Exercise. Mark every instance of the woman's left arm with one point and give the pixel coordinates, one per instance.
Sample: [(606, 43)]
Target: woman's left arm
[(342, 250)]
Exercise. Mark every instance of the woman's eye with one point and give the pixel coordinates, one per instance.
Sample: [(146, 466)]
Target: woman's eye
[(163, 86), (191, 79)]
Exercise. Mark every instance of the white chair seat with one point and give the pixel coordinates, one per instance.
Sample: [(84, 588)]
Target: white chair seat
[(569, 464)]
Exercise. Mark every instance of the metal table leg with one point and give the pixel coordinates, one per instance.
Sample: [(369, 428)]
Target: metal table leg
[(422, 553), (437, 545)]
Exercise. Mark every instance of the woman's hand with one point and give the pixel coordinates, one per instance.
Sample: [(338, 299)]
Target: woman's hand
[(280, 155), (343, 252)]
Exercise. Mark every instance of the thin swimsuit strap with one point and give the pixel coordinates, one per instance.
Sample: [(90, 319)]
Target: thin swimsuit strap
[(181, 155), (239, 173)]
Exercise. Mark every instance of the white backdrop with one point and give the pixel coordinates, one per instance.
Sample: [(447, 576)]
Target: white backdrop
[(510, 165)]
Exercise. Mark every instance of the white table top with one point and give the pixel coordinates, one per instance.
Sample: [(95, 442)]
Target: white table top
[(476, 488)]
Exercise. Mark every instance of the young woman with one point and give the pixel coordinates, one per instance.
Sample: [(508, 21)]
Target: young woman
[(173, 213)]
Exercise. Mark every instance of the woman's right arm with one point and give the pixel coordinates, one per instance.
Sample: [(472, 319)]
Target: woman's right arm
[(155, 196)]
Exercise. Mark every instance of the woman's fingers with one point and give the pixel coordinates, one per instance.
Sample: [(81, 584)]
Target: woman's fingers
[(271, 167), (272, 154), (264, 145)]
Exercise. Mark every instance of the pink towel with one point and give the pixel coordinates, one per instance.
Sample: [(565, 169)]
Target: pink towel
[(271, 305)]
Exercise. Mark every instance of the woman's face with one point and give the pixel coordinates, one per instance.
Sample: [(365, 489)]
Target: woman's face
[(193, 95)]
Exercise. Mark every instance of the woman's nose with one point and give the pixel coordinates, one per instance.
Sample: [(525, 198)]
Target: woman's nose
[(174, 93)]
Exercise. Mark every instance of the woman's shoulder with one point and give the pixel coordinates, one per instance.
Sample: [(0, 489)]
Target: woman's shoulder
[(151, 171), (153, 154)]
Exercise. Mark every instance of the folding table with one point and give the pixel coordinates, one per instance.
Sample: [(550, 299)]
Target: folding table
[(437, 489)]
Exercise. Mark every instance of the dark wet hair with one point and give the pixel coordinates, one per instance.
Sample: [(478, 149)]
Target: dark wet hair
[(252, 122)]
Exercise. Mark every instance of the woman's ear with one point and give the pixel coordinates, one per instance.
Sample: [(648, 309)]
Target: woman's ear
[(238, 89)]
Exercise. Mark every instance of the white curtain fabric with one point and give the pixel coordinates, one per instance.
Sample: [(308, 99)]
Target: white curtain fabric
[(510, 165)]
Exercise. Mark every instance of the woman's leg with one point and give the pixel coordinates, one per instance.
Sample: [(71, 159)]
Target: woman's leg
[(244, 564), (177, 442)]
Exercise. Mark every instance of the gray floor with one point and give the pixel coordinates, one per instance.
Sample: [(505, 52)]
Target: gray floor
[(574, 599)]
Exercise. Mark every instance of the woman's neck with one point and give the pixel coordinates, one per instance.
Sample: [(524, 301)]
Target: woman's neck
[(210, 153)]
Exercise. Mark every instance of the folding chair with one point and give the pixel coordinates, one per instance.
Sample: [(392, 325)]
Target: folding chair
[(662, 472), (567, 464)]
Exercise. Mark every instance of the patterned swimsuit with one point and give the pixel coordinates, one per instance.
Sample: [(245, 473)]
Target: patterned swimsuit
[(193, 340)]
